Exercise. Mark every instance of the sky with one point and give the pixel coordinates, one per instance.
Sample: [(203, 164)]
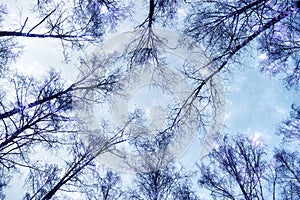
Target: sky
[(255, 103)]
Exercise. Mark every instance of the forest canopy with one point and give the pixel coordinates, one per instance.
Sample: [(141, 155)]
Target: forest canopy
[(65, 127)]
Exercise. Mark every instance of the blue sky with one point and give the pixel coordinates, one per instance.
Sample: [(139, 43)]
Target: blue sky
[(257, 103)]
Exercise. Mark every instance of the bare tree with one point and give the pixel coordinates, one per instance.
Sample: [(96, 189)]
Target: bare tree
[(39, 109), (226, 28), (147, 46), (150, 47), (288, 173), (75, 24), (81, 20), (107, 187), (160, 184), (288, 161), (78, 173), (25, 123), (184, 191), (36, 114), (236, 169), (156, 176), (162, 12), (290, 129)]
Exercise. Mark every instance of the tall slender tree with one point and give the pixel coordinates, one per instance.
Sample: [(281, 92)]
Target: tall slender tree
[(288, 167), (235, 169), (226, 28), (74, 24), (39, 116), (161, 184)]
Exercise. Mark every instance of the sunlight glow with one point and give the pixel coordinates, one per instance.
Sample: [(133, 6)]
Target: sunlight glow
[(257, 139), (263, 56), (104, 10)]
